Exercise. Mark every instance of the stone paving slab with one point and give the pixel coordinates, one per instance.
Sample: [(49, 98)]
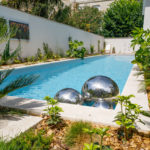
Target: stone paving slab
[(12, 125)]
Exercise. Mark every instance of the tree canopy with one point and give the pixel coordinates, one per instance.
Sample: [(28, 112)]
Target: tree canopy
[(122, 17)]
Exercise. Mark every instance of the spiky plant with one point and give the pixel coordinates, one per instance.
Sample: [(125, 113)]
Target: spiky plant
[(20, 82), (7, 55), (4, 34)]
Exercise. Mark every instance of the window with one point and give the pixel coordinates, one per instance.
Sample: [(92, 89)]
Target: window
[(97, 6)]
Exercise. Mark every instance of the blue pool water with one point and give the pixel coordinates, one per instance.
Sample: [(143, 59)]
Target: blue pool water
[(72, 74)]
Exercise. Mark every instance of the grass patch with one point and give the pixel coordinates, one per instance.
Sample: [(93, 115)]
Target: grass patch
[(28, 141), (75, 132), (10, 111)]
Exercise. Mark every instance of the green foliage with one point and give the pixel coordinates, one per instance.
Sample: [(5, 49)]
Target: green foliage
[(129, 114), (86, 18), (53, 111), (28, 141), (39, 55), (63, 14), (141, 38), (76, 49), (92, 49), (6, 55), (43, 8), (4, 34), (113, 50), (99, 131), (20, 82), (98, 45), (122, 17), (47, 51), (75, 131), (91, 146)]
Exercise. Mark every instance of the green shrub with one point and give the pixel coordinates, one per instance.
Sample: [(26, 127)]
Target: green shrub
[(47, 51), (86, 18), (141, 38), (92, 49), (76, 49), (122, 17), (75, 131), (113, 50), (53, 111), (39, 55), (128, 115), (100, 132), (28, 141), (98, 45)]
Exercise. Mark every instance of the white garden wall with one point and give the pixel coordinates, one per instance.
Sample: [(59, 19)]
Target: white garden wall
[(147, 17), (121, 45), (43, 30)]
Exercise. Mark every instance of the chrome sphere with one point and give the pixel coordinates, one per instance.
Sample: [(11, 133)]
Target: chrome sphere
[(100, 87), (100, 104), (69, 95)]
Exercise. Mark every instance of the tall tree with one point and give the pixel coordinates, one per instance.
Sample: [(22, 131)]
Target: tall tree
[(122, 17)]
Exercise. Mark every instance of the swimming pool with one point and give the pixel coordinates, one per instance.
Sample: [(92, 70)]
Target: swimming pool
[(71, 74)]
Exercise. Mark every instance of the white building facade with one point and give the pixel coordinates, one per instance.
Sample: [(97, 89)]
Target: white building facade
[(102, 5)]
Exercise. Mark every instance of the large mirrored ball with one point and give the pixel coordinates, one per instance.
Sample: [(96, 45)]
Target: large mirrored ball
[(99, 87), (69, 95)]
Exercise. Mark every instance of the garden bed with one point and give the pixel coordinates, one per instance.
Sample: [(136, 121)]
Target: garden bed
[(14, 65), (60, 132)]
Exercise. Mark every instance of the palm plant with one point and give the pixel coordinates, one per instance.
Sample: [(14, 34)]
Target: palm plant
[(20, 82), (4, 34), (6, 55)]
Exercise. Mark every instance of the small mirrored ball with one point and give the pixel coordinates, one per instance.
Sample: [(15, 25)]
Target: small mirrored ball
[(69, 95)]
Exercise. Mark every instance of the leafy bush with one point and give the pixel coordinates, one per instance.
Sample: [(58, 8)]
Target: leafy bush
[(75, 49), (141, 38), (91, 146), (63, 14), (75, 131), (128, 115), (86, 18), (28, 141), (92, 49), (43, 8), (99, 131), (53, 111), (122, 17)]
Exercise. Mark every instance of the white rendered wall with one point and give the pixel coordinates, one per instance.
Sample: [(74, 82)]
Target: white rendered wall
[(42, 30), (146, 3), (147, 18), (121, 45), (104, 5)]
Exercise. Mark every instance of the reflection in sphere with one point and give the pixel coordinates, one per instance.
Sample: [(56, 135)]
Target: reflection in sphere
[(69, 95), (100, 104), (99, 87)]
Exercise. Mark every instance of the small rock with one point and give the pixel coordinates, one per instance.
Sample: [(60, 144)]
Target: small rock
[(147, 141), (50, 132)]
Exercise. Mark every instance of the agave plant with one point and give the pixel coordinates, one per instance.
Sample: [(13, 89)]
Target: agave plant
[(6, 55), (20, 82)]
